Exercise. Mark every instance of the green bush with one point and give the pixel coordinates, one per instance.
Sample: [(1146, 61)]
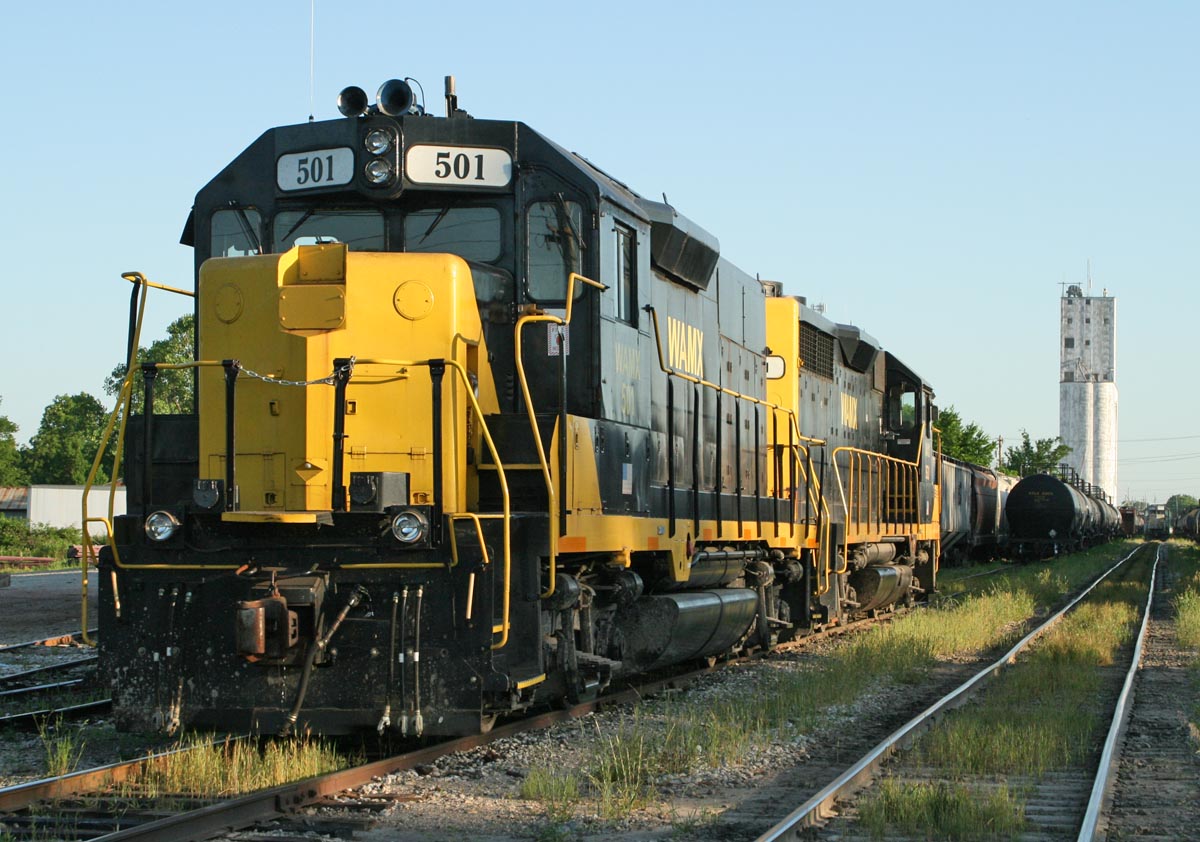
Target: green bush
[(20, 539)]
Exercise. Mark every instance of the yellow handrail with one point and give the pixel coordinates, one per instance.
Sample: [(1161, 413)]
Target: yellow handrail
[(487, 437), (123, 401), (120, 410), (552, 501), (902, 477)]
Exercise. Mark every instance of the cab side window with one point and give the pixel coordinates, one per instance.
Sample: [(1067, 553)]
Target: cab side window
[(626, 275), (902, 407)]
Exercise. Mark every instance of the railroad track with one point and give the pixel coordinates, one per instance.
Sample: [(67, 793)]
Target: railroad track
[(1153, 786), (65, 688), (26, 808), (81, 804), (1055, 802)]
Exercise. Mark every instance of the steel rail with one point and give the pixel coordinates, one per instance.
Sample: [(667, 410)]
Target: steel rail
[(1110, 759), (65, 665), (269, 804), (31, 718), (861, 772), (20, 796), (40, 688), (53, 640)]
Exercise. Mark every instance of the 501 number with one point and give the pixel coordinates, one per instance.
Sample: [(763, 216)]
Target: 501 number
[(459, 166), (314, 170)]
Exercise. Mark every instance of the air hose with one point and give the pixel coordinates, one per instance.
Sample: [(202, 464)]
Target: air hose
[(318, 645)]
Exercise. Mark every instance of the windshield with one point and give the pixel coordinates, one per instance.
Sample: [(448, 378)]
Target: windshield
[(471, 233), (236, 232), (361, 230)]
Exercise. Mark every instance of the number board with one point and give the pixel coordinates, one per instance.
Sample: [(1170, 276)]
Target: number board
[(476, 166), (318, 168)]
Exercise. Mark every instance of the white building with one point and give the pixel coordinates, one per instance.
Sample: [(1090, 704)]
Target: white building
[(1087, 391), (59, 505)]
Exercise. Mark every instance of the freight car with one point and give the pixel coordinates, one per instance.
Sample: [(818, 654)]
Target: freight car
[(1049, 515), (974, 523), (479, 428), (1158, 522), (1133, 522)]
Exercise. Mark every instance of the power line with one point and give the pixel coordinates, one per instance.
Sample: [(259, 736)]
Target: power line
[(1169, 457), (1161, 438)]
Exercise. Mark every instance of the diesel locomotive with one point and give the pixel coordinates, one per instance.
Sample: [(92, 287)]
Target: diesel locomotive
[(480, 428)]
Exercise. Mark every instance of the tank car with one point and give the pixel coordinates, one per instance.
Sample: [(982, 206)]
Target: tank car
[(479, 428), (1188, 524), (1048, 516)]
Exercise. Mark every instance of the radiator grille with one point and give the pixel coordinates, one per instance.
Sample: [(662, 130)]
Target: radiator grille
[(816, 350)]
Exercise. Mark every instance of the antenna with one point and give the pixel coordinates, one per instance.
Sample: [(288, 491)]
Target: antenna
[(312, 55), (1089, 276)]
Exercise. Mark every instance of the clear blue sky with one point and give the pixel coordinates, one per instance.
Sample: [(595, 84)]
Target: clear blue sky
[(930, 171)]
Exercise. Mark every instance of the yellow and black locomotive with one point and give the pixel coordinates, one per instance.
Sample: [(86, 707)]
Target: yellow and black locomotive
[(479, 428)]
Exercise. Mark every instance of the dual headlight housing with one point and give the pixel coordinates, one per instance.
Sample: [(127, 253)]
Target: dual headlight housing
[(380, 170)]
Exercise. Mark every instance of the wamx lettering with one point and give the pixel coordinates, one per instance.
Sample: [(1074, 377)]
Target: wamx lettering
[(685, 347), (629, 362), (849, 411)]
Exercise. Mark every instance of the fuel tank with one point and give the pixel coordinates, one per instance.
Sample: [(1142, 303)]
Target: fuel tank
[(881, 585), (670, 628)]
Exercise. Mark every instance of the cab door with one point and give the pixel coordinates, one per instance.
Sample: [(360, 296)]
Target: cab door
[(556, 238)]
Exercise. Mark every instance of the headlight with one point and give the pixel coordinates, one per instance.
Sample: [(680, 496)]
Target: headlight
[(379, 171), (378, 141), (409, 526), (161, 525)]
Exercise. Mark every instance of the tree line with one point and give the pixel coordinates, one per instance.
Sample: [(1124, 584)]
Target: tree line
[(63, 449), (969, 443)]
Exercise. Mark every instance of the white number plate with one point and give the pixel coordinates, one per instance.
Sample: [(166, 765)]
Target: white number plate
[(469, 165), (318, 168)]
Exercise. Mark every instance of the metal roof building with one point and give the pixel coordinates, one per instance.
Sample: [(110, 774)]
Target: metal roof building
[(57, 505)]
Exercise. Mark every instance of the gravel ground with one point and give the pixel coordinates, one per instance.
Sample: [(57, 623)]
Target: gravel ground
[(476, 795), (41, 605)]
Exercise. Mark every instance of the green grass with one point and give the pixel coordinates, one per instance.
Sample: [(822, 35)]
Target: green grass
[(1043, 713), (61, 745), (234, 767), (622, 768), (1185, 562), (556, 789), (942, 810), (677, 737)]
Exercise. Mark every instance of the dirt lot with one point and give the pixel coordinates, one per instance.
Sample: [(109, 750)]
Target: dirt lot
[(43, 604)]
